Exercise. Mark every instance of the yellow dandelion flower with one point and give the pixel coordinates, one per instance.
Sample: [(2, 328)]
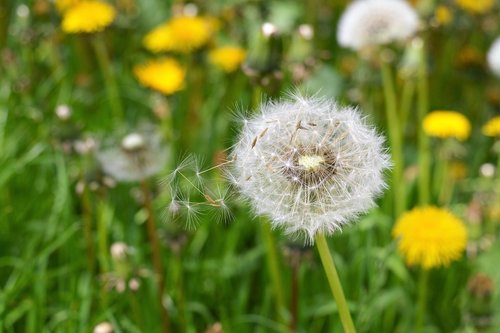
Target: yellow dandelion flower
[(492, 127), (430, 237), (447, 124), (160, 39), (180, 34), (164, 75), (443, 15), (476, 6), (63, 5), (88, 16), (229, 58)]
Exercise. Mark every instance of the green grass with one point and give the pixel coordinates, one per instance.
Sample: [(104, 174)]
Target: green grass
[(55, 264)]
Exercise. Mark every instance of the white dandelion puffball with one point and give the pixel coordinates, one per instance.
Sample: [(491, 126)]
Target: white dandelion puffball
[(309, 164), (376, 22), (138, 156), (494, 57)]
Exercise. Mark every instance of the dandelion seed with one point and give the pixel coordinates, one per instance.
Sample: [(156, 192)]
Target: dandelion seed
[(494, 57), (376, 22), (309, 178)]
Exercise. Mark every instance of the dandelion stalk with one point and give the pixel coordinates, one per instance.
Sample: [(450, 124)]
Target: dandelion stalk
[(335, 285), (274, 269), (422, 300), (395, 139), (107, 72), (423, 140), (156, 254), (294, 307), (4, 22), (87, 227)]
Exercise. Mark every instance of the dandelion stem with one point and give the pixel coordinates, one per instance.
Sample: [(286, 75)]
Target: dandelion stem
[(4, 22), (334, 281), (107, 72), (423, 141), (156, 254), (274, 269), (294, 307), (422, 299), (87, 227), (395, 139)]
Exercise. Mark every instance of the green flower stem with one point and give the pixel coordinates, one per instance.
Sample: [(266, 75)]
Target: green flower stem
[(156, 254), (334, 281), (395, 139), (107, 72), (274, 270), (423, 140), (422, 300), (406, 99), (4, 22), (87, 228)]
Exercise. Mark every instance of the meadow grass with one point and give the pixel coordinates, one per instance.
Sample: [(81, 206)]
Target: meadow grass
[(60, 214)]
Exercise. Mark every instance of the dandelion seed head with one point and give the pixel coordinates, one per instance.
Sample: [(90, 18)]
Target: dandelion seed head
[(133, 142), (139, 155), (376, 22), (494, 57), (309, 164)]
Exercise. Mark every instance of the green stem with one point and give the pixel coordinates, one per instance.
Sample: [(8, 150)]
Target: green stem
[(406, 99), (156, 255), (274, 270), (422, 300), (4, 22), (423, 140), (334, 281), (395, 139), (87, 227), (107, 72)]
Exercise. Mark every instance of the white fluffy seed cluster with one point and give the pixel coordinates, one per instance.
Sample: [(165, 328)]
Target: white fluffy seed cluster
[(494, 57), (309, 164), (376, 22), (140, 155)]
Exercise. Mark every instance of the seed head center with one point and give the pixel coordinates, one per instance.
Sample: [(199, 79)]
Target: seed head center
[(311, 162)]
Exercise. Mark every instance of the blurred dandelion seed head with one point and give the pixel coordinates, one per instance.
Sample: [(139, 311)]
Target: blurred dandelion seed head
[(309, 164), (137, 157), (133, 142), (494, 57), (164, 75), (376, 22), (447, 124), (104, 327), (228, 58), (492, 127), (430, 237), (87, 17), (119, 250)]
